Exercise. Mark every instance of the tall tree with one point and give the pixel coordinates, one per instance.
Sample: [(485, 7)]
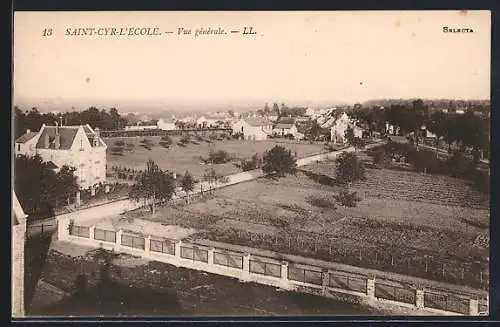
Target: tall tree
[(267, 110), (349, 168), (187, 184), (39, 187), (67, 182), (437, 125), (153, 184), (276, 109), (278, 161)]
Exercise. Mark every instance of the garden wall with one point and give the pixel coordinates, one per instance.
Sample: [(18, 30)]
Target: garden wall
[(254, 265)]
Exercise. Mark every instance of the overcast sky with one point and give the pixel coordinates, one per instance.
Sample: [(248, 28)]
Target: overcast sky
[(294, 57)]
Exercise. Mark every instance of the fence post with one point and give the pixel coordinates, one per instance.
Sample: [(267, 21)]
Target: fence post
[(370, 288), (419, 299), (211, 256), (473, 307), (78, 200), (147, 244)]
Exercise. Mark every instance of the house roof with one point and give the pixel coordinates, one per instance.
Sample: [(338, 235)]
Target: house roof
[(52, 165), (256, 122), (26, 137), (67, 136), (284, 125)]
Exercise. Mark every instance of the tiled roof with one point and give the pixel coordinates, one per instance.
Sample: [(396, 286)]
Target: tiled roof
[(283, 126), (52, 165), (67, 135), (26, 137), (256, 122)]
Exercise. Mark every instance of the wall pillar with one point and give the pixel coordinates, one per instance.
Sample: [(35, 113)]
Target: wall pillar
[(118, 244), (419, 299), (147, 244), (473, 307), (62, 229), (325, 281), (178, 248), (91, 232), (370, 287), (284, 271), (211, 256), (245, 274)]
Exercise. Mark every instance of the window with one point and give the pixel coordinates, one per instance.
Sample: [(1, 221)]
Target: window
[(19, 147)]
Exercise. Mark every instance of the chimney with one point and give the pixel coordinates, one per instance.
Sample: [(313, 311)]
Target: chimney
[(28, 131), (57, 140), (96, 136)]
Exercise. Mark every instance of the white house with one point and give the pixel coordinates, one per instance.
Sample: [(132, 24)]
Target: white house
[(339, 122), (256, 129), (215, 120), (80, 147), (18, 237), (287, 126), (167, 124), (310, 112), (391, 129)]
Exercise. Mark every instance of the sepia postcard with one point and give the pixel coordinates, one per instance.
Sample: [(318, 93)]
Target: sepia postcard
[(263, 164)]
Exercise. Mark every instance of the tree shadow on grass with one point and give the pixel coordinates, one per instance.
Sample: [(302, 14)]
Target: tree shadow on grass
[(35, 253), (111, 298)]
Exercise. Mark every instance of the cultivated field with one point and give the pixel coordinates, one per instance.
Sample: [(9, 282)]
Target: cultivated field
[(403, 219), (179, 158)]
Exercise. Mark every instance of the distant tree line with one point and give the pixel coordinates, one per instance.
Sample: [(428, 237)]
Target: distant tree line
[(467, 131), (33, 119)]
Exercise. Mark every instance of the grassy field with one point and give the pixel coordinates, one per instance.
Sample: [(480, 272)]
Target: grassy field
[(179, 158), (402, 214)]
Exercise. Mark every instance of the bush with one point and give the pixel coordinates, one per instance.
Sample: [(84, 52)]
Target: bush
[(254, 163), (347, 198), (425, 161), (481, 180), (166, 139), (458, 165), (380, 159), (116, 149), (218, 157), (80, 285), (322, 203), (280, 222), (185, 139)]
